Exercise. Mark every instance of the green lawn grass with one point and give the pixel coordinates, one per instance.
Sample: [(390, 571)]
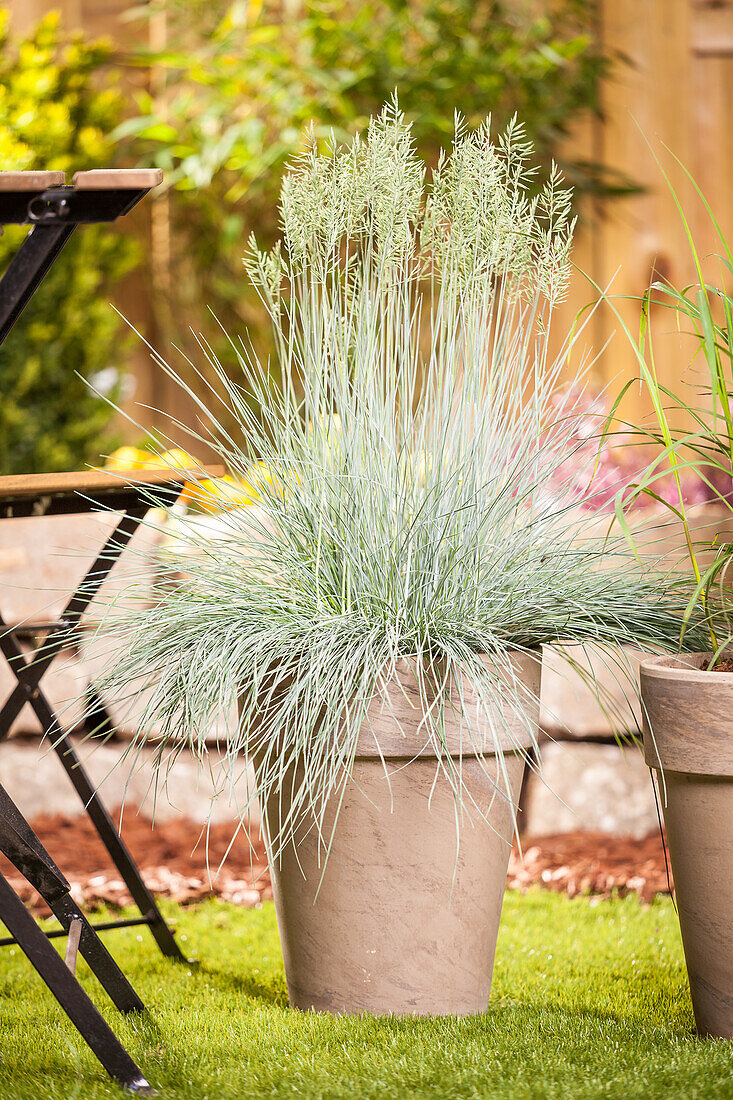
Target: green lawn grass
[(589, 1000)]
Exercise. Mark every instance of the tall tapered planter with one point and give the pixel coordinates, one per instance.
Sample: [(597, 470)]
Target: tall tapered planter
[(401, 918), (689, 736)]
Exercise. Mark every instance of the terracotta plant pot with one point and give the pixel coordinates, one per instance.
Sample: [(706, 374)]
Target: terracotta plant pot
[(690, 712), (400, 921)]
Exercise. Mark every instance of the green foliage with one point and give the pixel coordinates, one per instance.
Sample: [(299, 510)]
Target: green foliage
[(55, 113), (588, 1001), (243, 79), (692, 425)]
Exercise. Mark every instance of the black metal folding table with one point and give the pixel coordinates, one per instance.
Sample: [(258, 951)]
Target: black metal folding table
[(55, 494), (53, 210)]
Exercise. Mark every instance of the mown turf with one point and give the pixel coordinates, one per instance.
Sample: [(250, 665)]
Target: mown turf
[(589, 1000)]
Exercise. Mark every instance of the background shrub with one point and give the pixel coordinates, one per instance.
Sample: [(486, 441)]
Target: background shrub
[(230, 95), (239, 81), (57, 110)]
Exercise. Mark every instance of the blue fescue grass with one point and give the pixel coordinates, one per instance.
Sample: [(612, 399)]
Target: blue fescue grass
[(414, 502)]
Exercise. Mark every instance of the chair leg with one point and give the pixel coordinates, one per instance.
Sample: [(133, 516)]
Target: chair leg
[(98, 957), (66, 989)]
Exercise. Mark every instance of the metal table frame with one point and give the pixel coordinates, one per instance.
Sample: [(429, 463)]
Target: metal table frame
[(35, 495), (38, 495), (21, 846), (53, 210)]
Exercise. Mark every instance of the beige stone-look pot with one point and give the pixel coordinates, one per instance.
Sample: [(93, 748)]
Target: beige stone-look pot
[(401, 919), (688, 737)]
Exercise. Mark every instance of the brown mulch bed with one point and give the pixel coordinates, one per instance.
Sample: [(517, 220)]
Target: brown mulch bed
[(592, 863), (172, 856), (175, 865)]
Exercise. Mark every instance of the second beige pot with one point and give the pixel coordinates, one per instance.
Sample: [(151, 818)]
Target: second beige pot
[(401, 920), (688, 738)]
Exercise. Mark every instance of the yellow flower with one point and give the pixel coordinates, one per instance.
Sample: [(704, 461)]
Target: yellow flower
[(216, 494), (133, 458), (221, 493), (126, 458), (176, 460), (257, 476)]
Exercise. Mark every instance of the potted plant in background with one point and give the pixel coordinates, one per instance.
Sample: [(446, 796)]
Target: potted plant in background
[(589, 700), (688, 700), (380, 613)]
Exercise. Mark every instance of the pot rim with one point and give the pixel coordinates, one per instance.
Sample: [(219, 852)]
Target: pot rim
[(673, 667), (687, 716), (387, 732)]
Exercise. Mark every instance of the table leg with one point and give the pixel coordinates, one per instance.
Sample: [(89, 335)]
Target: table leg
[(69, 994)]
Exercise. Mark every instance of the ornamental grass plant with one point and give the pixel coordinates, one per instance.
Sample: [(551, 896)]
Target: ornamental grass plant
[(410, 503), (688, 701), (691, 428)]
